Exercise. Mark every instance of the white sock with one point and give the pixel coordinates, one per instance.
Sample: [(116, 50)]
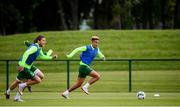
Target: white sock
[(18, 96), (23, 84), (66, 92), (8, 91), (87, 85)]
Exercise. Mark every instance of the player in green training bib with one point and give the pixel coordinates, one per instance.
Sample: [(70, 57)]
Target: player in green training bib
[(35, 69), (26, 68), (88, 54)]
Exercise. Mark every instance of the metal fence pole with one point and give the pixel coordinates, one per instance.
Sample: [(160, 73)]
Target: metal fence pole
[(130, 68), (7, 77), (68, 74)]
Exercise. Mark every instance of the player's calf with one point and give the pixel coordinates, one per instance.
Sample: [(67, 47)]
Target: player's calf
[(12, 87)]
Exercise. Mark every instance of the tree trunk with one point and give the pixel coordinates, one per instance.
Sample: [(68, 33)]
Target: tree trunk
[(63, 25), (163, 15), (2, 26), (177, 15), (74, 10), (150, 17), (95, 15), (144, 16)]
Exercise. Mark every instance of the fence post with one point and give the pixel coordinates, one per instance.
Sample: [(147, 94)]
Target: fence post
[(130, 68), (68, 74), (7, 78)]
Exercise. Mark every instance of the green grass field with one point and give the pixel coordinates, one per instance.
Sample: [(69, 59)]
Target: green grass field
[(95, 100), (112, 89)]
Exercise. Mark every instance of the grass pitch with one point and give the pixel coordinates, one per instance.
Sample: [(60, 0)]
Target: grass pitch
[(111, 90), (94, 99)]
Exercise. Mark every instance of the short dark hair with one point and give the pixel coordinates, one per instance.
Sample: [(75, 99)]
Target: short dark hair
[(38, 38)]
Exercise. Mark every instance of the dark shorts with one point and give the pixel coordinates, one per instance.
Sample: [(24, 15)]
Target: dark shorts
[(27, 73), (84, 71)]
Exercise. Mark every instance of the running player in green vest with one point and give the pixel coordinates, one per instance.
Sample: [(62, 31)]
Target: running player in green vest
[(88, 54), (37, 71), (26, 68)]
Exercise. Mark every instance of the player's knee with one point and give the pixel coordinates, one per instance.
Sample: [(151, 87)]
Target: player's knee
[(98, 77), (38, 80), (42, 76)]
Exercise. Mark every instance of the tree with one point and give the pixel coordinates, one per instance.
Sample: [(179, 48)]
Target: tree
[(116, 17), (62, 24), (125, 14), (42, 15), (10, 17), (74, 13), (177, 15), (168, 13)]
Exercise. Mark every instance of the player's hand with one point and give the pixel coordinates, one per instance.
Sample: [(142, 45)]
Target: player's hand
[(20, 68), (55, 56), (104, 59), (50, 51), (68, 56)]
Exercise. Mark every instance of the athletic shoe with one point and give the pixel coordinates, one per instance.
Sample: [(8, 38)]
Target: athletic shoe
[(18, 100), (29, 89), (65, 95), (7, 95), (85, 89)]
